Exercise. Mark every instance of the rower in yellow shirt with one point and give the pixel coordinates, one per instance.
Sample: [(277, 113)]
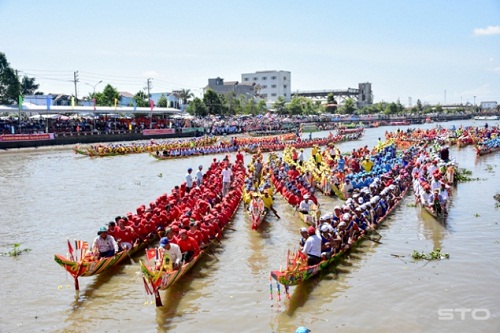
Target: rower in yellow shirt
[(367, 164), (268, 203)]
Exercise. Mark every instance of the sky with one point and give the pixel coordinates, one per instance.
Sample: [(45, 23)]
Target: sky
[(436, 51)]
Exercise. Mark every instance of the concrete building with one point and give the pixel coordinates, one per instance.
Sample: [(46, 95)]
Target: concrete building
[(247, 88), (488, 105), (270, 84), (365, 95)]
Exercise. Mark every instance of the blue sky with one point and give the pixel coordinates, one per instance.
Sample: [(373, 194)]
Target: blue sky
[(417, 49)]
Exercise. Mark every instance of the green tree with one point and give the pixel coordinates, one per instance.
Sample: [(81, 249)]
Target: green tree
[(261, 107), (295, 106), (141, 99), (197, 108), (213, 102), (419, 106), (439, 108), (163, 102), (391, 109), (348, 107), (107, 96), (185, 95), (10, 87), (279, 105), (28, 86)]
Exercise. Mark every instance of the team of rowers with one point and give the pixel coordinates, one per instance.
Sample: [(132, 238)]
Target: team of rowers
[(299, 143), (363, 210), (144, 147), (187, 219), (461, 136), (432, 178)]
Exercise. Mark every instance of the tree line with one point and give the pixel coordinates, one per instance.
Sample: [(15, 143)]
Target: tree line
[(11, 87)]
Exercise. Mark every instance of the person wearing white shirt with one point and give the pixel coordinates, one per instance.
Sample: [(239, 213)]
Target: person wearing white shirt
[(426, 197), (312, 247), (189, 180), (305, 205), (105, 244), (226, 179), (172, 250), (199, 175)]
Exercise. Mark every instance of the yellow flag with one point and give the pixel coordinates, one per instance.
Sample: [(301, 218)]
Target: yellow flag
[(116, 101)]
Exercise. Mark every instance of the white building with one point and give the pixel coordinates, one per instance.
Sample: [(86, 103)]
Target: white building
[(271, 84), (488, 105)]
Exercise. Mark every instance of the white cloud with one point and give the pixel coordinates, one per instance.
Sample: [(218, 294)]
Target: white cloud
[(490, 30), (496, 70)]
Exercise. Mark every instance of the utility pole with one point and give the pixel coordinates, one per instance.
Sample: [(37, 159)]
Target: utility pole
[(75, 79), (149, 87)]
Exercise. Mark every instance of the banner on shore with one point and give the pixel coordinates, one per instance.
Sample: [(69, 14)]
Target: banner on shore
[(26, 137), (158, 131)]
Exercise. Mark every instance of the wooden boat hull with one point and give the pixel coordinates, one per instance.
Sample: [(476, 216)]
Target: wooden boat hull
[(161, 280), (91, 267), (441, 217), (257, 219), (486, 151), (300, 274)]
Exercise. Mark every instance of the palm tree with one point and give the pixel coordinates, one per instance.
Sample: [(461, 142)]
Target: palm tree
[(185, 95)]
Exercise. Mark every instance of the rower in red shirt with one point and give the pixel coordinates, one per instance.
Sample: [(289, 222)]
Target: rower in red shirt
[(189, 246)]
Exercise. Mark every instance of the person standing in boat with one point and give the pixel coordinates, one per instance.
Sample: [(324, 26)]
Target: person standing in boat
[(189, 180), (199, 175), (104, 245), (226, 179), (312, 247)]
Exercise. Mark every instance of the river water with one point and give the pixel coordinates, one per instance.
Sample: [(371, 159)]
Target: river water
[(49, 195)]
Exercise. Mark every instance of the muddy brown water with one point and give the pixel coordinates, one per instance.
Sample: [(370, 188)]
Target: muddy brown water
[(49, 195)]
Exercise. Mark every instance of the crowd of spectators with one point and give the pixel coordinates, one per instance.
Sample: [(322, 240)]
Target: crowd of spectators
[(216, 125)]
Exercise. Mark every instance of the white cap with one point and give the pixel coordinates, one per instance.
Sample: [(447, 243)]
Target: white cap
[(361, 200), (346, 216), (324, 228), (342, 224)]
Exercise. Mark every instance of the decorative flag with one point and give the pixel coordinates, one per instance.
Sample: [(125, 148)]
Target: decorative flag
[(151, 104), (150, 254), (73, 102), (116, 101), (135, 104), (20, 102), (95, 101), (48, 101), (70, 250), (81, 245)]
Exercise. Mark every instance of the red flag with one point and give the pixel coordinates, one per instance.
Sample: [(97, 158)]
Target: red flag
[(151, 104), (150, 254), (70, 249)]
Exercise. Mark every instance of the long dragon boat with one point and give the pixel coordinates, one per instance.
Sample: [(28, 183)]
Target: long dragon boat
[(106, 150), (84, 263), (487, 146), (88, 266), (156, 279), (297, 271), (308, 143)]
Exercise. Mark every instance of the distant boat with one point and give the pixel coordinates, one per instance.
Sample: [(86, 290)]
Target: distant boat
[(486, 118)]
